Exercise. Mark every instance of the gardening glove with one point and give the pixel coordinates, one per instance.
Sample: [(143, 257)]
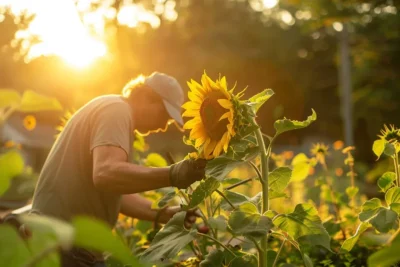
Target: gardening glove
[(186, 172)]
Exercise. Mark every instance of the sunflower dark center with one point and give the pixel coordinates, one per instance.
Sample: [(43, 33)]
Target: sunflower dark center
[(210, 112), (393, 136)]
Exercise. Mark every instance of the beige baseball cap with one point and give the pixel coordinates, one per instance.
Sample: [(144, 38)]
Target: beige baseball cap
[(170, 91)]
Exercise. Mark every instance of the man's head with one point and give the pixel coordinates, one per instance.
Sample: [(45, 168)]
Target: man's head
[(156, 101)]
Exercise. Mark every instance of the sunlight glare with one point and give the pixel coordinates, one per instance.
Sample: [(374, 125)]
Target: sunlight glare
[(61, 31), (270, 3)]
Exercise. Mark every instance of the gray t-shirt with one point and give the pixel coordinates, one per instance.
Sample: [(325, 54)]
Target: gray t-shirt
[(65, 187)]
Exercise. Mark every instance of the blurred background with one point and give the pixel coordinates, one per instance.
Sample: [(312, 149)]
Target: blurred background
[(339, 57)]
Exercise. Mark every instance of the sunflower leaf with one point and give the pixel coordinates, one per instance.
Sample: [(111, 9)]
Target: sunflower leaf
[(162, 202), (348, 245), (386, 181), (279, 179), (304, 225), (247, 221), (11, 165), (259, 99), (170, 240), (32, 101), (205, 189), (220, 167), (378, 147), (285, 125), (9, 97)]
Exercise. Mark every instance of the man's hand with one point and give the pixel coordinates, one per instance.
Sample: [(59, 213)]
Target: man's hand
[(169, 212), (186, 172)]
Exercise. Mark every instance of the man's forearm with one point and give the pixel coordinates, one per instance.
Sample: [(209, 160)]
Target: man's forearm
[(138, 207), (128, 178)]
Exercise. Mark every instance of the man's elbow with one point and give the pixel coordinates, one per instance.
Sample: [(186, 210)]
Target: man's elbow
[(101, 178)]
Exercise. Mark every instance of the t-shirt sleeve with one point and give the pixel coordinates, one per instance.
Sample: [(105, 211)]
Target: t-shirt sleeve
[(111, 126)]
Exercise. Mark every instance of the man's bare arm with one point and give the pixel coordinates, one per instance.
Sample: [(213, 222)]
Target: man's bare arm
[(136, 206), (112, 173)]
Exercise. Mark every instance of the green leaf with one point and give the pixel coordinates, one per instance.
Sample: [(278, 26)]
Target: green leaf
[(9, 97), (220, 167), (387, 256), (218, 258), (279, 179), (392, 196), (215, 258), (369, 209), (155, 160), (307, 260), (274, 195), (203, 190), (351, 191), (32, 101), (13, 251), (93, 234), (301, 167), (219, 223), (170, 240), (11, 165), (349, 243), (381, 218), (63, 231), (247, 221), (305, 224), (41, 240), (162, 202), (395, 207), (285, 125), (244, 261), (378, 147), (259, 99), (238, 199), (386, 181), (385, 221), (390, 150)]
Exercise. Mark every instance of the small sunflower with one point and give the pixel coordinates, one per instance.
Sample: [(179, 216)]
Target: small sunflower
[(390, 134), (212, 110), (29, 122), (320, 151)]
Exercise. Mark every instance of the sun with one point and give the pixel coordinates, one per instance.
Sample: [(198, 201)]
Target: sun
[(212, 113), (83, 56), (61, 33)]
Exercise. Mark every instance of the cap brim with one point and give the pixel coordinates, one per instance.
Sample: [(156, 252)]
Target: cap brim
[(173, 112)]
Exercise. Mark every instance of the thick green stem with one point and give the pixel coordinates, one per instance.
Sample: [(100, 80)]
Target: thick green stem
[(262, 256), (396, 168)]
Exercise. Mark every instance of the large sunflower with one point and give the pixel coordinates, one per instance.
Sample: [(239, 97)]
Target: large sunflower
[(212, 112)]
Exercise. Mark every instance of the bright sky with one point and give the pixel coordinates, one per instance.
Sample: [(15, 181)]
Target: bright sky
[(63, 34)]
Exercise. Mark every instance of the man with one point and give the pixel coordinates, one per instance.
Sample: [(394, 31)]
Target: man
[(87, 171)]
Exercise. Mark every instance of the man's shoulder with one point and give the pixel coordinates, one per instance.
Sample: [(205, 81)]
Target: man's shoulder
[(105, 101)]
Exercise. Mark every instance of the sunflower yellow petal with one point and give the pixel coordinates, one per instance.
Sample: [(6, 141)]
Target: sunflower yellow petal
[(191, 113), (225, 103), (200, 141), (192, 123), (225, 116), (194, 97), (191, 105), (226, 138), (197, 132), (218, 149), (210, 148), (223, 83)]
